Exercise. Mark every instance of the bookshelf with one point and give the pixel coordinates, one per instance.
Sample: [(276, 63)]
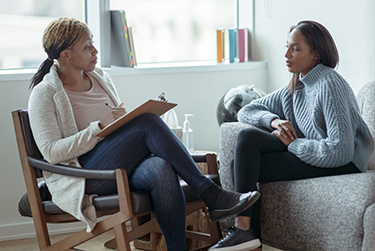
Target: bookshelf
[(98, 18)]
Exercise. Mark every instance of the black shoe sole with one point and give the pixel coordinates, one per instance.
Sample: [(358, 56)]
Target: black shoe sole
[(220, 214), (249, 245)]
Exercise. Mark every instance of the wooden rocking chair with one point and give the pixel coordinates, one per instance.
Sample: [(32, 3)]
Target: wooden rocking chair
[(121, 208)]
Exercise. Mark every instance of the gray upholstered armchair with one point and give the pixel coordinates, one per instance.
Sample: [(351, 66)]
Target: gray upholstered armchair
[(293, 217)]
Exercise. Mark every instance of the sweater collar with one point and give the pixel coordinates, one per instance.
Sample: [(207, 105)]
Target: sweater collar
[(313, 75), (53, 79)]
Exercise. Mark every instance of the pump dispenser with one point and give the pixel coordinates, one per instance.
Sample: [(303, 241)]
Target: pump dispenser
[(188, 134)]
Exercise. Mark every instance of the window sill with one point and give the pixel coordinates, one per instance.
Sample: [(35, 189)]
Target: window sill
[(183, 67), (144, 69)]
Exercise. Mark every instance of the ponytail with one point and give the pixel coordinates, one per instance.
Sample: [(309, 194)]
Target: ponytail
[(42, 71)]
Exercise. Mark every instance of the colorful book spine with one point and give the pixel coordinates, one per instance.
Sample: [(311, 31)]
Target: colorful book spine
[(127, 38), (233, 35), (220, 36), (243, 45), (132, 48), (121, 54)]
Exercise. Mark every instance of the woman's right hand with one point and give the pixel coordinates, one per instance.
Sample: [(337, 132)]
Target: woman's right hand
[(284, 129), (113, 114)]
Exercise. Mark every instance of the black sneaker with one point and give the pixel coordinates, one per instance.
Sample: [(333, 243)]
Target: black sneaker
[(236, 240), (243, 202)]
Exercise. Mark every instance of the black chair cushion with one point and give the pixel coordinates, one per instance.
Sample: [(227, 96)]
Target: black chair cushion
[(141, 200), (24, 204)]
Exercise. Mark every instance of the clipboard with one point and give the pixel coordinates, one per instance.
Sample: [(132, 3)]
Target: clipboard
[(150, 106)]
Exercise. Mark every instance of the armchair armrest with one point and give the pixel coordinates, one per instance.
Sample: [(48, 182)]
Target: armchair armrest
[(70, 170), (228, 137)]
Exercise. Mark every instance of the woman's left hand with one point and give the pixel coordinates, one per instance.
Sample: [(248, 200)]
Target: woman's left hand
[(285, 140)]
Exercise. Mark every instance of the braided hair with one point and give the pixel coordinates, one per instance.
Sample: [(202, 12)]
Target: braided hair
[(59, 35)]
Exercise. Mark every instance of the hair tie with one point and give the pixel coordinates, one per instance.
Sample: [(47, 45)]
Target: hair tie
[(50, 59)]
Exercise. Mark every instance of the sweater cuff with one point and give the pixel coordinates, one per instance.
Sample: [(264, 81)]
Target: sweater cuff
[(266, 120), (294, 147), (95, 128)]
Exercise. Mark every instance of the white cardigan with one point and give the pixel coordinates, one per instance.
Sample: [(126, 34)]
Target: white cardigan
[(58, 139)]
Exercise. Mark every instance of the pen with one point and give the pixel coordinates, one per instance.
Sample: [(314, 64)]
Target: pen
[(108, 105)]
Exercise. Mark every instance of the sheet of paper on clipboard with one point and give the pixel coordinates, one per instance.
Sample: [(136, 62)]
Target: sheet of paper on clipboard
[(150, 106)]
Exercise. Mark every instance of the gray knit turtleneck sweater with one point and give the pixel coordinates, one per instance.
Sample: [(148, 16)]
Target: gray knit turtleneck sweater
[(325, 114)]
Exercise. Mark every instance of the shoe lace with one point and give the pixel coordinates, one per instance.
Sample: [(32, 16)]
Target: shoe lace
[(230, 230)]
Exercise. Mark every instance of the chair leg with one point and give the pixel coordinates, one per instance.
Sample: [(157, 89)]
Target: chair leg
[(122, 238), (111, 244), (214, 228)]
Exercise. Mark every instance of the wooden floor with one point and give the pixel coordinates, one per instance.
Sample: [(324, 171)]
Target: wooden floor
[(96, 244)]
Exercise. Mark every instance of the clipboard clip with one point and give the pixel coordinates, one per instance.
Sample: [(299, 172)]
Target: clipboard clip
[(161, 97)]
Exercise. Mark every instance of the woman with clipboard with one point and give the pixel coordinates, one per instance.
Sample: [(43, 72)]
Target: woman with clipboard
[(67, 110)]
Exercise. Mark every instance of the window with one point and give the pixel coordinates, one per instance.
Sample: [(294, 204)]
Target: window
[(22, 23), (163, 30), (170, 31)]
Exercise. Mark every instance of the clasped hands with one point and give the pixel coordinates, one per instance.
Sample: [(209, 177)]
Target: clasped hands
[(113, 114), (284, 131)]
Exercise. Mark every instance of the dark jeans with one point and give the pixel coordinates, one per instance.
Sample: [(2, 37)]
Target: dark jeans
[(152, 155), (262, 157)]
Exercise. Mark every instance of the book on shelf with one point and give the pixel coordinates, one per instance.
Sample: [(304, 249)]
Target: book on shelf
[(121, 53), (132, 48), (243, 45), (233, 37), (220, 38)]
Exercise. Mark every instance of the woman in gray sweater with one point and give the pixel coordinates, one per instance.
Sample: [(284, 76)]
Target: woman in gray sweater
[(314, 129)]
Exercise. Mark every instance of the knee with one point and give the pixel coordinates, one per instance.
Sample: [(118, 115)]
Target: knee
[(248, 135), (149, 117), (248, 132), (151, 121)]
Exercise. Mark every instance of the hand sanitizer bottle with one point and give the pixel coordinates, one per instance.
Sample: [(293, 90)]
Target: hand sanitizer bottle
[(188, 134)]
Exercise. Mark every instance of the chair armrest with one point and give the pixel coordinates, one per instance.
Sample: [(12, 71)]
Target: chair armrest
[(70, 170), (209, 158), (84, 172), (199, 157)]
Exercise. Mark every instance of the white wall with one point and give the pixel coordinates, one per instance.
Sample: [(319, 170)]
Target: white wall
[(351, 23), (197, 90)]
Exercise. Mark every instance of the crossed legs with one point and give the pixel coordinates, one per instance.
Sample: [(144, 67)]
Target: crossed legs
[(145, 136)]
